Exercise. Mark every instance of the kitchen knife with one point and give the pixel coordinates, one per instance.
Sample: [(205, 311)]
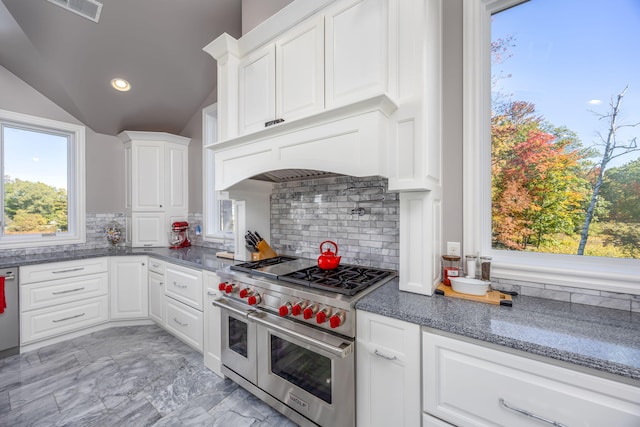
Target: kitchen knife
[(258, 236)]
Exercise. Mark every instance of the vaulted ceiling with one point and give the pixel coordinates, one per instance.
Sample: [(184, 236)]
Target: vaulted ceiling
[(154, 44)]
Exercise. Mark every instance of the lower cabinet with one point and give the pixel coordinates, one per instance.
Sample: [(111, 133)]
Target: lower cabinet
[(212, 339), (388, 372), (156, 297), (185, 322), (128, 286), (62, 297), (469, 384)]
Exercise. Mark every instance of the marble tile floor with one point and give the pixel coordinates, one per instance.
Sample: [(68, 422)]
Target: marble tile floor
[(124, 376)]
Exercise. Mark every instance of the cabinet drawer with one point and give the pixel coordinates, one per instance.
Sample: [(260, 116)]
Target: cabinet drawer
[(185, 285), (55, 292), (62, 270), (472, 385), (184, 322), (48, 322), (156, 266)]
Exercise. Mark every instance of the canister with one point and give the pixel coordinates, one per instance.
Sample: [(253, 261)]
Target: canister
[(450, 268)]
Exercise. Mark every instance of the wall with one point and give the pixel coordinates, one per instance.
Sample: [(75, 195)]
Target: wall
[(305, 213), (256, 11)]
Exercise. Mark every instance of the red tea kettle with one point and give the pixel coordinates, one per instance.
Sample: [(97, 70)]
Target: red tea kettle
[(328, 260)]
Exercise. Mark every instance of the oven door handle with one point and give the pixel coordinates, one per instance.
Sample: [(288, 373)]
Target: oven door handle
[(341, 350), (226, 305)]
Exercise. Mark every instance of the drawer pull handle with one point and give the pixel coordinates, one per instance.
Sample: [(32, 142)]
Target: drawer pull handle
[(69, 318), (68, 291), (69, 270), (180, 323), (178, 285), (529, 414), (211, 294), (384, 356)]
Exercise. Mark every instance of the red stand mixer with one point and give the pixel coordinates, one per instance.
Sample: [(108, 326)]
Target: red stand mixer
[(179, 236)]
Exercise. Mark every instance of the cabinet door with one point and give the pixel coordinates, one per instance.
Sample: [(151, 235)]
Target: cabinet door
[(357, 49), (300, 71), (257, 87), (148, 229), (212, 340), (388, 366), (177, 178), (129, 289), (156, 296), (147, 176)]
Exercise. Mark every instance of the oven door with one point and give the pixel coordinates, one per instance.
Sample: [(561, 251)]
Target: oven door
[(238, 339), (309, 370)]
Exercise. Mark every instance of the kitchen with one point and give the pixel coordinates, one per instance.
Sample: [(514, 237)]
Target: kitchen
[(393, 247)]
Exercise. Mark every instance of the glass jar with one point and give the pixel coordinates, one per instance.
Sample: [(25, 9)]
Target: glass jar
[(114, 232), (485, 267), (450, 268), (470, 265)]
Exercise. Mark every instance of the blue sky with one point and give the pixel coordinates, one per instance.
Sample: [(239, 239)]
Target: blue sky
[(34, 156), (570, 54)]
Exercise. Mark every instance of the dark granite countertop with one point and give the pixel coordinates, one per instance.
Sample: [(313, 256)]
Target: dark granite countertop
[(604, 339), (194, 256)]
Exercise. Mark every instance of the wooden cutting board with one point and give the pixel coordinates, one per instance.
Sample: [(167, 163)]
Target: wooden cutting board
[(491, 297)]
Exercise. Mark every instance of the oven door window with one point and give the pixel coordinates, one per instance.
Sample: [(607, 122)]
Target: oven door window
[(238, 336), (301, 367)]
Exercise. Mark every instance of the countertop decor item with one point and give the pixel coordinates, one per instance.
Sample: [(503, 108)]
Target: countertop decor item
[(114, 233), (465, 285), (491, 297)]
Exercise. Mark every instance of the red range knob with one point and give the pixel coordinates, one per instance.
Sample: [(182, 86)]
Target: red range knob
[(321, 317), (336, 320), (245, 292), (254, 299), (284, 310), (297, 308), (222, 286), (230, 288), (308, 312)]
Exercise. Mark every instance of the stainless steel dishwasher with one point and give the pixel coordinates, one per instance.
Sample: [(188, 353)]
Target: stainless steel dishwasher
[(10, 319)]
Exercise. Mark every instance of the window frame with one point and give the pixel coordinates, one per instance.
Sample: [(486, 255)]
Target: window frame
[(76, 179), (597, 273), (211, 207)]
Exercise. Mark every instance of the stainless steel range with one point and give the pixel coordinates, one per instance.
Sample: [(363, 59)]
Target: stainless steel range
[(288, 334)]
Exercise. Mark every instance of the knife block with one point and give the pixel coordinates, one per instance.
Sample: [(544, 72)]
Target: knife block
[(265, 250)]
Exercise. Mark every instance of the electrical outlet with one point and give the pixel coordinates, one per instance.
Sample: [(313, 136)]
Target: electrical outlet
[(453, 248)]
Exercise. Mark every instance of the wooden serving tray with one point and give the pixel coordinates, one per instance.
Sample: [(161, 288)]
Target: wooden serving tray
[(491, 297)]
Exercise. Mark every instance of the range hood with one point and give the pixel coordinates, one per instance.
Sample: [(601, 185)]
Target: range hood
[(350, 140)]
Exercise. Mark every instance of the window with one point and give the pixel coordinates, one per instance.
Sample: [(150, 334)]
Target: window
[(219, 215), (43, 186), (530, 255)]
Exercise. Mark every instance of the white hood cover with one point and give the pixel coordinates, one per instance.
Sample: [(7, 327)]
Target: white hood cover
[(351, 140)]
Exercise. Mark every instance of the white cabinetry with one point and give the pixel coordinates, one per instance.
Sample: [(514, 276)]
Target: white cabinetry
[(183, 303), (156, 291), (129, 289), (388, 367), (58, 298), (468, 384), (283, 80), (156, 185), (212, 339)]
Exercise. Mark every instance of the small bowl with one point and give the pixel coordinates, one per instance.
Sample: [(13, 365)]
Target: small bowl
[(465, 285)]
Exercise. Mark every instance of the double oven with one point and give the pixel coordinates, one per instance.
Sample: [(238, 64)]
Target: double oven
[(292, 344)]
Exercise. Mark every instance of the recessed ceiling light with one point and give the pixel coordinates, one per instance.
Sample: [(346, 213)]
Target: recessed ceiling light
[(120, 84)]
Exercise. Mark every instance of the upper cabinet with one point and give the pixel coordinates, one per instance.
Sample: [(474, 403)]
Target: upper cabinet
[(157, 183), (284, 80), (345, 86)]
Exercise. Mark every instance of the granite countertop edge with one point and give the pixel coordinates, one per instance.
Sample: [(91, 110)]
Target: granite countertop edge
[(476, 320)]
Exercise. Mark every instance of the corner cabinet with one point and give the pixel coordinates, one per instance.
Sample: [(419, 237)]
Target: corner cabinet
[(388, 372), (468, 384), (156, 185), (128, 287)]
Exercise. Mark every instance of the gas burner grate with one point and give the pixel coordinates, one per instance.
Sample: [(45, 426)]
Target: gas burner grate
[(346, 279)]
